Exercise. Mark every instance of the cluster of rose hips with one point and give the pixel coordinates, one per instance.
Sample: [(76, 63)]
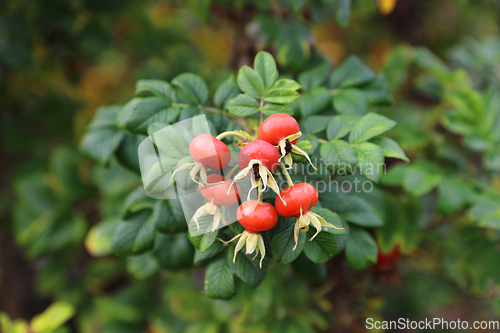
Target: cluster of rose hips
[(258, 160)]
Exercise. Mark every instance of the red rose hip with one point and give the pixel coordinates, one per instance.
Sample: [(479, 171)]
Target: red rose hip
[(256, 217), (259, 150), (277, 127), (219, 192), (210, 151), (296, 196)]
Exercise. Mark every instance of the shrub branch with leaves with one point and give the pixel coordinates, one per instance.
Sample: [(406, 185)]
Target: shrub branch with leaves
[(342, 142)]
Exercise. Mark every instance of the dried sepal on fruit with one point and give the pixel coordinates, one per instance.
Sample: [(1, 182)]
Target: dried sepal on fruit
[(302, 225), (259, 175), (211, 209), (258, 159), (252, 242), (300, 198), (196, 169), (219, 193), (286, 147), (255, 217)]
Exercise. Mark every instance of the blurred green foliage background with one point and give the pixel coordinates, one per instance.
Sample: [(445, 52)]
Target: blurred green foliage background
[(60, 60)]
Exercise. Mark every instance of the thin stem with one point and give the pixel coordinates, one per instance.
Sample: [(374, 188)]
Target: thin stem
[(287, 175), (232, 133), (232, 171), (201, 107), (322, 140), (211, 109), (261, 111), (259, 193)]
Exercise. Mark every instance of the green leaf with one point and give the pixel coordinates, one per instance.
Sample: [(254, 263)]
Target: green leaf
[(219, 281), (321, 248), (105, 117), (103, 137), (492, 160), (397, 63), (198, 126), (343, 12), (283, 243), (452, 194), (127, 305), (297, 5), (189, 112), (207, 240), (155, 127), (398, 228), (243, 106), (270, 109), (340, 126), (142, 266), (428, 60), (173, 251), (168, 216), (377, 92), (127, 152), (248, 270), (201, 8), (7, 325), (159, 177), (350, 102), (306, 269), (202, 257), (487, 214), (265, 66), (134, 234), (227, 91), (369, 126), (193, 86), (195, 240), (315, 76), (339, 157), (370, 160), (52, 318), (157, 88), (455, 123), (292, 43), (304, 145), (352, 72), (250, 82), (390, 148), (361, 249), (395, 175), (287, 84), (281, 95), (170, 141), (136, 201), (353, 209), (478, 143), (332, 218), (419, 180), (316, 124), (139, 113), (314, 101), (98, 240), (236, 227)]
